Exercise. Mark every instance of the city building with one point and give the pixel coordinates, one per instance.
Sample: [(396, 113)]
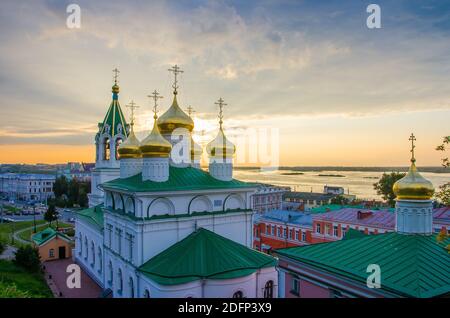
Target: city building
[(26, 187), (332, 226), (280, 229), (76, 170), (164, 226), (411, 261), (52, 244), (441, 220), (268, 197)]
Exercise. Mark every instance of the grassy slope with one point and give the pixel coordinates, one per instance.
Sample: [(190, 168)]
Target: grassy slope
[(33, 284), (6, 229)]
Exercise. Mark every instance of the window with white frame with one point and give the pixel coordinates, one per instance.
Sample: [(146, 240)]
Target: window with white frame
[(318, 228), (335, 230), (296, 235), (303, 236)]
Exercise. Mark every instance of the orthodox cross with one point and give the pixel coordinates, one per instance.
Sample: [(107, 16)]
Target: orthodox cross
[(116, 74), (132, 106), (155, 96), (221, 103), (175, 70), (412, 138), (190, 110)]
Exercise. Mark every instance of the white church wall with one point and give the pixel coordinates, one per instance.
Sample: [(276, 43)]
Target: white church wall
[(87, 257)]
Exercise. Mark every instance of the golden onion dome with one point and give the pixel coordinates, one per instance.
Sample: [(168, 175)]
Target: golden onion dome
[(221, 147), (175, 118), (413, 186), (196, 150), (155, 145), (115, 89), (130, 148)]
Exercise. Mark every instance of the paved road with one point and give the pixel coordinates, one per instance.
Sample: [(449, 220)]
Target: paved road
[(8, 253)]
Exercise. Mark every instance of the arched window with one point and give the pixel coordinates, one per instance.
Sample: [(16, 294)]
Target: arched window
[(238, 294), (268, 289), (93, 254), (81, 244), (100, 260), (118, 142), (106, 149), (146, 293), (86, 247), (131, 287), (119, 281), (111, 275)]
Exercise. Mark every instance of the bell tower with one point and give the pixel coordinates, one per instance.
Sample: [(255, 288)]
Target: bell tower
[(111, 133)]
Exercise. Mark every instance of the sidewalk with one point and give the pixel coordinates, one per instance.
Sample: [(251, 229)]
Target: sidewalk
[(57, 283)]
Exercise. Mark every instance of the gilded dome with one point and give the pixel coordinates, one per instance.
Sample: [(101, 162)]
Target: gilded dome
[(174, 118), (115, 89), (130, 147), (413, 186), (155, 145), (196, 150), (221, 147)]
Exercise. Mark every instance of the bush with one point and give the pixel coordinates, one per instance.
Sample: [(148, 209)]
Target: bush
[(28, 258), (11, 291), (70, 232), (2, 247)]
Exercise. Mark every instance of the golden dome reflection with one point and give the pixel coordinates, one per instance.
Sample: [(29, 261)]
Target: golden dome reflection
[(174, 118), (130, 147)]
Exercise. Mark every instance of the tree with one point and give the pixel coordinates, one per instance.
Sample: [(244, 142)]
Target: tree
[(51, 214), (385, 184), (60, 186), (28, 258), (443, 195), (339, 200)]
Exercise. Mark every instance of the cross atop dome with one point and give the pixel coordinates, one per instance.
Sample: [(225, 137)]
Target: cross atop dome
[(412, 138), (155, 96), (175, 70), (190, 110), (221, 103), (132, 106), (116, 75)]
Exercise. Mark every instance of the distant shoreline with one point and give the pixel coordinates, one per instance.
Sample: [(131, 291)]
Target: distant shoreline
[(363, 169)]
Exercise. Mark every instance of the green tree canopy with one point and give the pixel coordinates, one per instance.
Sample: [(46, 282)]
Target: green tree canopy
[(385, 184)]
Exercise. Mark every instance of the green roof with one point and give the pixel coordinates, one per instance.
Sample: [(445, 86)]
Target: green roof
[(46, 235), (93, 215), (113, 118), (411, 265), (352, 233), (180, 179), (204, 255)]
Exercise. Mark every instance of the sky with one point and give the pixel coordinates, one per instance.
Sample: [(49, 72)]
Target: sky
[(311, 73)]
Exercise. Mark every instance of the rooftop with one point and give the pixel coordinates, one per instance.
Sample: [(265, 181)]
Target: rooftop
[(377, 218), (204, 255), (411, 265), (309, 196), (442, 215), (180, 179), (46, 235), (291, 217), (93, 215)]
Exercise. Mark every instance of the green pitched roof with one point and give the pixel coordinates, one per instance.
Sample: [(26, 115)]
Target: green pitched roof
[(352, 233), (411, 265), (93, 215), (204, 255), (46, 235), (113, 118), (180, 179)]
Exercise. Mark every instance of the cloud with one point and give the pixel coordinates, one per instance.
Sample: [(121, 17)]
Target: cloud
[(268, 60)]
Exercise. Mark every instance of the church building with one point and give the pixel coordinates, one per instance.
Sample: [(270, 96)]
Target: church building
[(158, 224)]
